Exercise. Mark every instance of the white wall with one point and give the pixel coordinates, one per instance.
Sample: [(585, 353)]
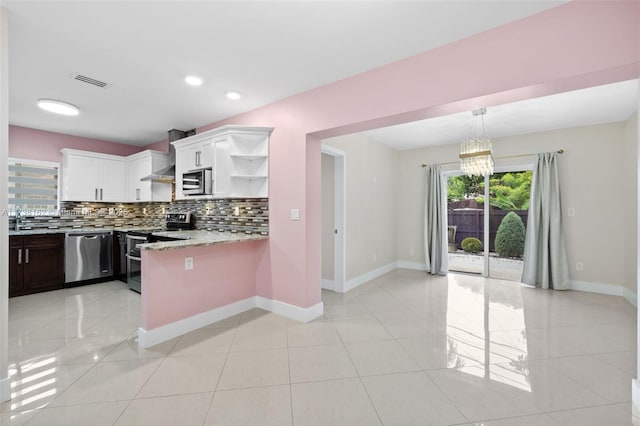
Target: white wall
[(371, 181), (328, 214), (591, 172), (630, 201)]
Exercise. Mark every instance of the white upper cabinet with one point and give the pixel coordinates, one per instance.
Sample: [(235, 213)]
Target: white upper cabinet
[(238, 156), (249, 164), (89, 176), (143, 164)]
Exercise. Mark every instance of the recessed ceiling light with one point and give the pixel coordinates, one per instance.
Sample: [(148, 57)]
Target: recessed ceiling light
[(58, 107), (192, 80), (233, 95)]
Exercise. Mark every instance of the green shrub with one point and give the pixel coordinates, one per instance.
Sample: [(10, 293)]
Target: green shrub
[(510, 236), (471, 245)]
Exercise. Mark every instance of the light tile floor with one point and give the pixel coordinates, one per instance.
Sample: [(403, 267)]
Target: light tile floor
[(404, 349)]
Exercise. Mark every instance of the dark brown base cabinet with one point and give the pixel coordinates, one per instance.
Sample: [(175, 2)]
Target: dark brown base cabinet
[(36, 263)]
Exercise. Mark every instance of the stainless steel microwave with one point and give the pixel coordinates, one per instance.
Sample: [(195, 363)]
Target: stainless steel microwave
[(197, 182)]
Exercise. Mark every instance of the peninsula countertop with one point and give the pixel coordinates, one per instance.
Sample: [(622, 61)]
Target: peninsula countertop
[(199, 238)]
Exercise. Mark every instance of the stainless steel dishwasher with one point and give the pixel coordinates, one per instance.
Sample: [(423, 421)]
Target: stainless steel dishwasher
[(88, 255)]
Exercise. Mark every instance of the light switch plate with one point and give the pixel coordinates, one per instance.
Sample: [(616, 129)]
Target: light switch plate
[(295, 214)]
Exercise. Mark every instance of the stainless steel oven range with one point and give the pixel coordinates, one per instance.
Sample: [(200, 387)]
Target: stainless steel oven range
[(173, 222), (134, 261)]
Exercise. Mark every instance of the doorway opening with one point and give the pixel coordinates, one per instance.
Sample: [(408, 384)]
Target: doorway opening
[(333, 219), (488, 238)]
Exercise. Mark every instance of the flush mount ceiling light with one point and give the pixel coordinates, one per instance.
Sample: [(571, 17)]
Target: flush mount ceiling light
[(476, 158), (234, 96), (193, 80), (58, 107)]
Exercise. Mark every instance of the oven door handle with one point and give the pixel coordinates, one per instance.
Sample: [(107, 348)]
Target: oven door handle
[(136, 237), (139, 259)]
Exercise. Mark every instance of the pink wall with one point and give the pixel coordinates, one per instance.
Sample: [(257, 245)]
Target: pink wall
[(162, 146), (45, 146), (572, 46), (222, 274)]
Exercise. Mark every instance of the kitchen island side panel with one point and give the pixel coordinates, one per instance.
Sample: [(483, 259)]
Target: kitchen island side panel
[(222, 274)]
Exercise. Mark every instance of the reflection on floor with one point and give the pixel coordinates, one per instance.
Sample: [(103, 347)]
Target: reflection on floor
[(406, 348), (502, 268)]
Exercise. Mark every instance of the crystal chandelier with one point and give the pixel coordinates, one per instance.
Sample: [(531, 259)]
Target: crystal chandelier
[(476, 158)]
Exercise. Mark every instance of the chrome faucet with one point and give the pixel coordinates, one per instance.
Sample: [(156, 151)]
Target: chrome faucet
[(17, 224)]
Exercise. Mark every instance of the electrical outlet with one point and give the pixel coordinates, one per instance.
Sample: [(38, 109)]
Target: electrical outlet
[(579, 266), (188, 263), (295, 214), (411, 252), (236, 211), (571, 211)]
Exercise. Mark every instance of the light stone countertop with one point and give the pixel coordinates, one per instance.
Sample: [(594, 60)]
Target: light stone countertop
[(199, 238)]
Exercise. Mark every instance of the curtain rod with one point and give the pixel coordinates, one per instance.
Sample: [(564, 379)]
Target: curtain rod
[(560, 151)]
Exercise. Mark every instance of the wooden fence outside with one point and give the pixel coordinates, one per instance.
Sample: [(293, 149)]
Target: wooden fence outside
[(470, 223)]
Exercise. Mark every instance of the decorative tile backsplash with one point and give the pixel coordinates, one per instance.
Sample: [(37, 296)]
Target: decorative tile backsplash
[(250, 215)]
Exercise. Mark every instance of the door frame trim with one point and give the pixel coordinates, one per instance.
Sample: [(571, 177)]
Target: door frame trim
[(339, 256)]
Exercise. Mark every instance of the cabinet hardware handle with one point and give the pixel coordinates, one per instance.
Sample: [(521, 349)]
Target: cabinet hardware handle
[(26, 255), (100, 194), (137, 193), (19, 256), (96, 197)]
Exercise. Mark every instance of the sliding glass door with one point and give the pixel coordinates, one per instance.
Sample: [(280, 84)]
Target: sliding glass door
[(488, 238)]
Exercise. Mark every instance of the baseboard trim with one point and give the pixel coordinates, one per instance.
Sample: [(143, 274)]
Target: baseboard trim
[(5, 389), (328, 284), (591, 287), (368, 276), (416, 266), (600, 288), (149, 338), (630, 296), (290, 311), (635, 394)]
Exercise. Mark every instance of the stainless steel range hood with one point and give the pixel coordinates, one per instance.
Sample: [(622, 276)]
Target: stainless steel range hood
[(168, 174)]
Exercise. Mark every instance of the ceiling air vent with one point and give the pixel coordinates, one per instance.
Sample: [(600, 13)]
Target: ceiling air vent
[(89, 80)]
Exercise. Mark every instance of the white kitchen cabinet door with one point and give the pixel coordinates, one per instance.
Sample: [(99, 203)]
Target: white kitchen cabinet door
[(141, 165), (80, 178), (136, 189), (112, 178), (89, 176)]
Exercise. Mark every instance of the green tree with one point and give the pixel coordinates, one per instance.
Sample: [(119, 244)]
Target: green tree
[(510, 237), (511, 190), (464, 187)]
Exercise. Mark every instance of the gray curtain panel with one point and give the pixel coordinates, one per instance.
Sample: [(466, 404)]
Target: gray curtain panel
[(435, 221), (545, 256)]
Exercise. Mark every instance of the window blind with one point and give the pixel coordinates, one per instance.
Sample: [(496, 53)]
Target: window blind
[(33, 188)]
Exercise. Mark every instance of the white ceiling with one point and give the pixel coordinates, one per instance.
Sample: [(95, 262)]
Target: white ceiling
[(265, 50), (597, 105)]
